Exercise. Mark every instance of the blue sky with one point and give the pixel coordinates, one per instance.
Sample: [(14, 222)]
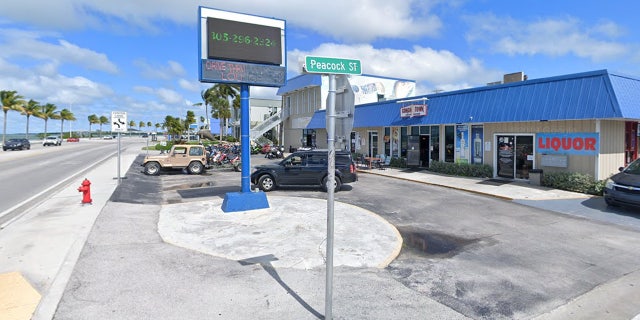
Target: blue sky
[(141, 56)]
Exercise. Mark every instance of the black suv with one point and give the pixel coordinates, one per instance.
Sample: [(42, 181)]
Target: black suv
[(17, 144), (305, 168)]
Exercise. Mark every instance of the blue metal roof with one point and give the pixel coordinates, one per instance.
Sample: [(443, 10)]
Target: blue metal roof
[(588, 95), (300, 82)]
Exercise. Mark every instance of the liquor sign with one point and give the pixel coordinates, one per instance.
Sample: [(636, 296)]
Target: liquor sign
[(415, 110), (583, 143)]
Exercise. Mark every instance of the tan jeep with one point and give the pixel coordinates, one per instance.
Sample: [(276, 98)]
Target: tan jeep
[(181, 156)]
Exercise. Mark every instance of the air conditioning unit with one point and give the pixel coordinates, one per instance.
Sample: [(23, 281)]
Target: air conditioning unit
[(514, 77)]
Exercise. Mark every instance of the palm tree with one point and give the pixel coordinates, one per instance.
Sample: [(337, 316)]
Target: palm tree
[(65, 114), (93, 119), (102, 120), (206, 97), (174, 126), (131, 125), (31, 108), (149, 124), (11, 100), (218, 98), (141, 125), (48, 112)]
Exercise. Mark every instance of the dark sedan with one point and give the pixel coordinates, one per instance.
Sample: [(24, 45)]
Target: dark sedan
[(623, 188), (16, 144)]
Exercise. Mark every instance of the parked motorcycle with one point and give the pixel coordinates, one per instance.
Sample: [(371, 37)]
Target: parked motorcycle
[(276, 152), (225, 157)]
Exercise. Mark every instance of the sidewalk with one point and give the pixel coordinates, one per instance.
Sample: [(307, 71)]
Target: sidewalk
[(43, 245), (504, 189)]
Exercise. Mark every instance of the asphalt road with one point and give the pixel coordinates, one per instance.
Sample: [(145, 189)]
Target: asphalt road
[(481, 256), (28, 175)]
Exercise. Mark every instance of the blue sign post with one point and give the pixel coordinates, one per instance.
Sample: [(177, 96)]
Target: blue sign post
[(247, 50)]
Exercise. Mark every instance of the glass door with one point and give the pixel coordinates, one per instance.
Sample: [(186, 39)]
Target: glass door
[(373, 143), (504, 154), (524, 156), (514, 156)]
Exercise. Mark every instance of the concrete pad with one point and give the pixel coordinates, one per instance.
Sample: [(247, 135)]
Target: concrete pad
[(18, 299), (292, 231)]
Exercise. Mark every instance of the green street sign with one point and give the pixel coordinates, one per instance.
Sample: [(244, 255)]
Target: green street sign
[(332, 65)]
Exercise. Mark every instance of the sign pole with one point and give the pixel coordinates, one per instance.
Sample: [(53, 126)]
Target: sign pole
[(119, 158), (331, 131), (245, 151)]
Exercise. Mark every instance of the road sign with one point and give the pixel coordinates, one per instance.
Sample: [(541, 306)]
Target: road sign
[(332, 65), (118, 121)]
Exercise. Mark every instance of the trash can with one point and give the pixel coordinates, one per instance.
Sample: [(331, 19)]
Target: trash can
[(536, 177)]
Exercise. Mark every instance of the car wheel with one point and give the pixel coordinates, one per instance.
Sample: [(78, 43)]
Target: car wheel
[(337, 184), (266, 183), (237, 166), (152, 168), (196, 167)]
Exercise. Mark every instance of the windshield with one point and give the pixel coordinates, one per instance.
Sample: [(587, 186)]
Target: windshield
[(633, 167)]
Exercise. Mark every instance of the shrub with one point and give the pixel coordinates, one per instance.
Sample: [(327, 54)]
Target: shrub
[(398, 162), (462, 169), (165, 148), (573, 181)]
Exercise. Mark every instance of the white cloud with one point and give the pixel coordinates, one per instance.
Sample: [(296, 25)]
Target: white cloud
[(552, 37), (345, 20), (169, 96), (157, 71), (18, 44), (420, 64), (193, 86)]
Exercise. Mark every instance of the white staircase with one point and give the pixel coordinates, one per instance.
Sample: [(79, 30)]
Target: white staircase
[(267, 125)]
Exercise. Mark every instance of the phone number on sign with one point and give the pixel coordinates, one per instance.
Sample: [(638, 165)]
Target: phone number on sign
[(242, 39)]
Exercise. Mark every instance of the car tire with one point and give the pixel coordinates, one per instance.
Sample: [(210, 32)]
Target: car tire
[(237, 167), (338, 184), (195, 167), (152, 168), (266, 183), (609, 202)]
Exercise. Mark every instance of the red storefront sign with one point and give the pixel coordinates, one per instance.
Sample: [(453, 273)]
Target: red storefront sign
[(416, 110), (586, 143)]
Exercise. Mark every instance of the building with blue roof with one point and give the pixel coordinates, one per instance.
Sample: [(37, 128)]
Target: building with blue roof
[(585, 122)]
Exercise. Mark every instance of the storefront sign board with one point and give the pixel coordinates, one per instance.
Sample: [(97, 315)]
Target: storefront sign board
[(581, 143)]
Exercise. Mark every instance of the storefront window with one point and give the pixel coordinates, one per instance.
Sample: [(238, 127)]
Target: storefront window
[(403, 142), (435, 143), (476, 144), (449, 140), (415, 131), (308, 138), (387, 141)]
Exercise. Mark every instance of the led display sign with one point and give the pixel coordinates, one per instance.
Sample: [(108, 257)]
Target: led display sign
[(240, 41)]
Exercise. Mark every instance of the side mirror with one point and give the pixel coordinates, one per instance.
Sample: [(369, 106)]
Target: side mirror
[(621, 169)]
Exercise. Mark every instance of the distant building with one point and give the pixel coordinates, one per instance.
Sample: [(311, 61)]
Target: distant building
[(306, 94)]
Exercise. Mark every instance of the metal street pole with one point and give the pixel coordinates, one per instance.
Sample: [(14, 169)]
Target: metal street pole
[(331, 132), (119, 158)]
